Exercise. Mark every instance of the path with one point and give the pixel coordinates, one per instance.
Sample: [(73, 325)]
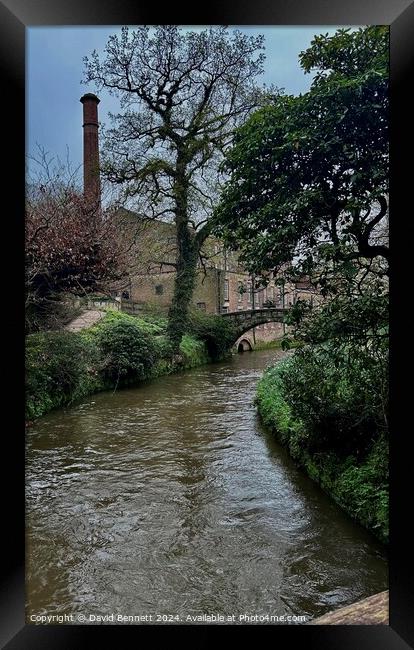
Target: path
[(86, 319)]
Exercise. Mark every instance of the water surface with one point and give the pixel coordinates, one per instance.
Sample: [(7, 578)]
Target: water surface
[(172, 499)]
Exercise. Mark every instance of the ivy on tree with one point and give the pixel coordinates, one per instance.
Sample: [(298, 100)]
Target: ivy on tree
[(182, 94)]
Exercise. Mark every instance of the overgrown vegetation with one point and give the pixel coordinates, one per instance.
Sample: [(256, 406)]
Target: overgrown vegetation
[(331, 413), (129, 351), (63, 367), (307, 195), (216, 332)]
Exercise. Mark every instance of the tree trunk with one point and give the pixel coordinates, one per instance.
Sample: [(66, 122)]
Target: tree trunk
[(186, 261), (183, 285)]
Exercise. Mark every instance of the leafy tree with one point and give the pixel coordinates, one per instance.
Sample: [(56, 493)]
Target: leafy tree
[(308, 180), (182, 95), (308, 193)]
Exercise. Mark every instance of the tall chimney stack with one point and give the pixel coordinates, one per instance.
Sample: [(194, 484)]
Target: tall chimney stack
[(91, 180)]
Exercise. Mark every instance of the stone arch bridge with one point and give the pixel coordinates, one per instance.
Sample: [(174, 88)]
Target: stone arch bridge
[(243, 321)]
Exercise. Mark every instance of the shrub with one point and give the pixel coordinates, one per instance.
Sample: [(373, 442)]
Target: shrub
[(339, 395), (330, 418), (128, 348), (60, 368), (148, 324), (274, 409), (363, 489), (216, 332), (193, 350)]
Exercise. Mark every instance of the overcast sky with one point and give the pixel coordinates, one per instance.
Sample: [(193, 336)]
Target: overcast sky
[(55, 70)]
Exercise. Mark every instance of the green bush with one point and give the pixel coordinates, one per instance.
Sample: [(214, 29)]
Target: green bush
[(340, 396), (129, 349), (330, 418), (216, 332), (154, 325), (60, 368), (194, 351), (273, 407), (363, 489)]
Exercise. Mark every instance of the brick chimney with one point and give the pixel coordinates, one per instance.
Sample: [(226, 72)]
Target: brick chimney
[(91, 180)]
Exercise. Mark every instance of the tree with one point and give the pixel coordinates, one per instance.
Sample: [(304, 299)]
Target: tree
[(308, 194), (71, 246), (182, 95), (308, 183)]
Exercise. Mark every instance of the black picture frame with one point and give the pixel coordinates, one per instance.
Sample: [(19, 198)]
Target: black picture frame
[(15, 16)]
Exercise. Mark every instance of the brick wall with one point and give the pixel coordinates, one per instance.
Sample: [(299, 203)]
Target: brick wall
[(151, 280)]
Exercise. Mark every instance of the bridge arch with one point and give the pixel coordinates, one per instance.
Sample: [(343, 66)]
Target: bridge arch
[(243, 321), (244, 345)]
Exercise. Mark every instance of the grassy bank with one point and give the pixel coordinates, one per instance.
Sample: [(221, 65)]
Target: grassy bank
[(338, 443), (268, 345), (121, 350), (277, 344)]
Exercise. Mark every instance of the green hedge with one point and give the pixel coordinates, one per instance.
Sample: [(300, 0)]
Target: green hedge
[(128, 350), (61, 367), (349, 458)]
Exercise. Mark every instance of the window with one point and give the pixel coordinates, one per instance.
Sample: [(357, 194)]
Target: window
[(226, 260), (226, 290), (159, 289), (201, 306), (224, 310), (249, 293), (240, 291)]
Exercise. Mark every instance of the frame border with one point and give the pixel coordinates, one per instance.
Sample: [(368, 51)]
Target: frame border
[(15, 16)]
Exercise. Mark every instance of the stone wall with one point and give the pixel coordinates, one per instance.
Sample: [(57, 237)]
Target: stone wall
[(221, 285), (267, 333)]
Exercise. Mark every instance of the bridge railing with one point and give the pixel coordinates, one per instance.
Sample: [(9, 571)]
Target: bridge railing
[(256, 312)]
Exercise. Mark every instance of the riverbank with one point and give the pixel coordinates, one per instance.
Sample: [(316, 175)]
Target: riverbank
[(63, 367), (354, 473)]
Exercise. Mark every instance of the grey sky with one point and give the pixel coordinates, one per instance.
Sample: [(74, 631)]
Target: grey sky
[(55, 70)]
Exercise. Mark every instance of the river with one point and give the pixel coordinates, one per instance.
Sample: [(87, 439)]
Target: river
[(171, 499)]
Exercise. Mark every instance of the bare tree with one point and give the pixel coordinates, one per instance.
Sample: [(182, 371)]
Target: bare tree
[(71, 245), (182, 95)]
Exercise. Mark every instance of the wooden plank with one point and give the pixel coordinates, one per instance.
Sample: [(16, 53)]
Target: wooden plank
[(373, 610)]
